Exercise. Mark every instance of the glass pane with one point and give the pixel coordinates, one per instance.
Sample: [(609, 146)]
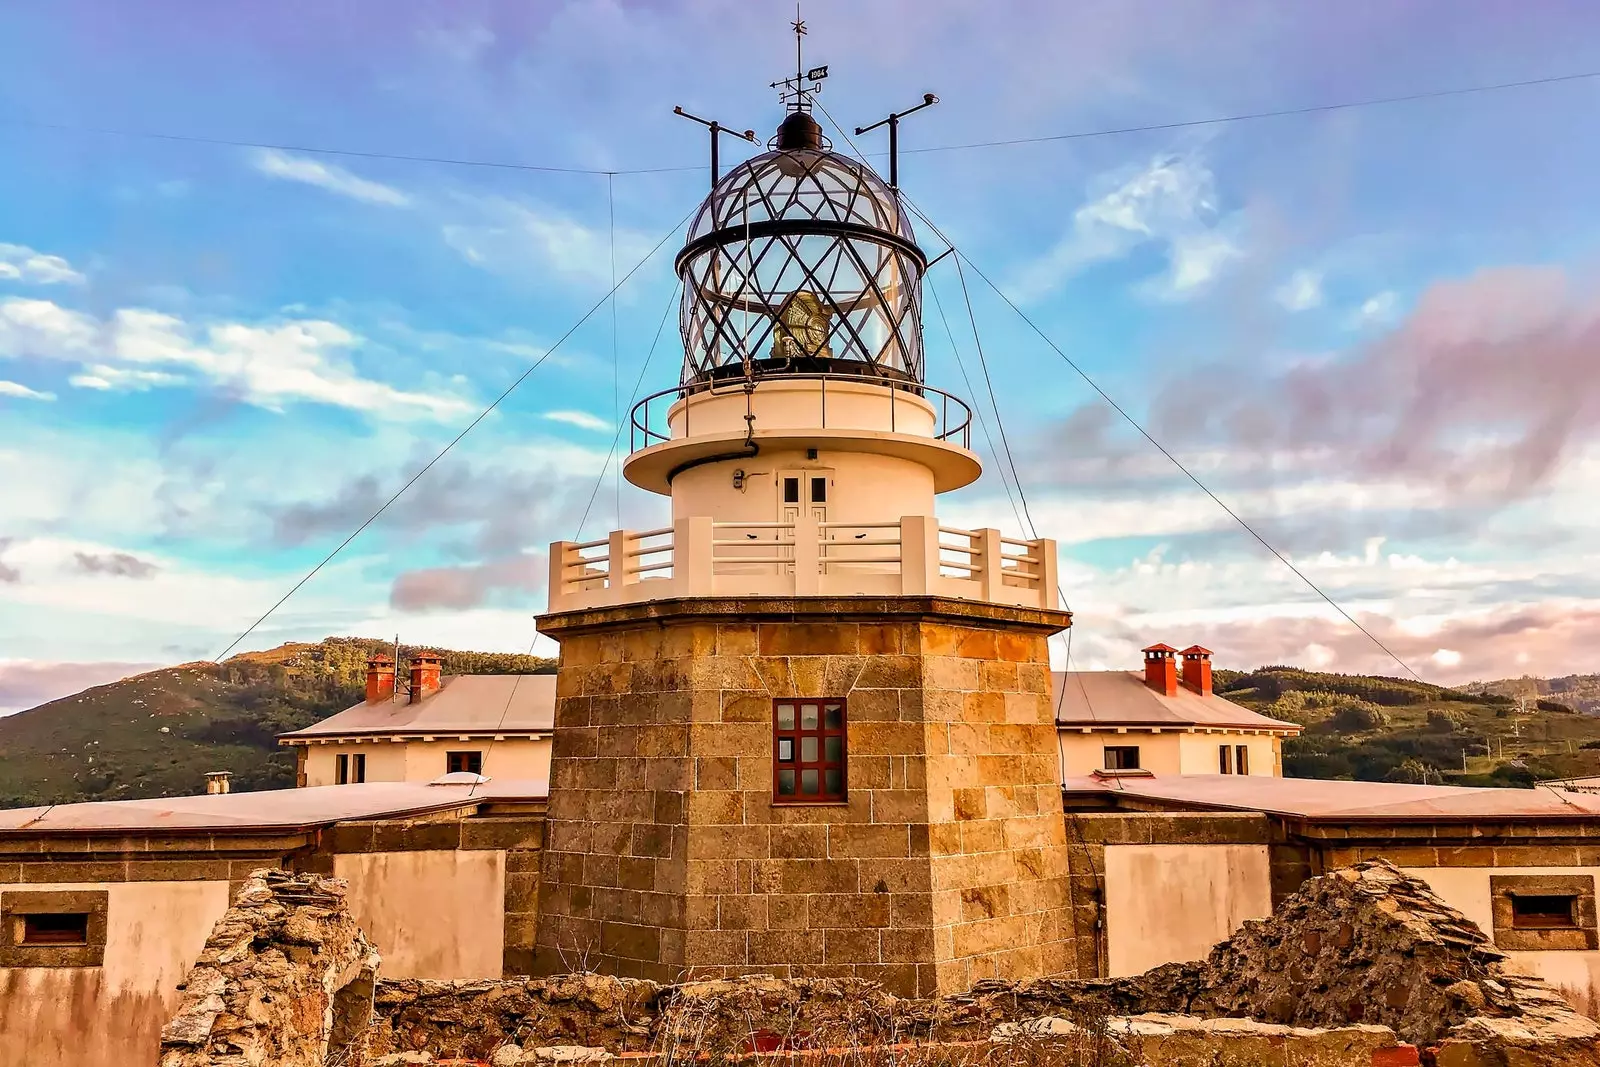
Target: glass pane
[(785, 750), (786, 716), (835, 780), (833, 716), (808, 783), (786, 783), (834, 750), (808, 716), (819, 490), (791, 490), (808, 750)]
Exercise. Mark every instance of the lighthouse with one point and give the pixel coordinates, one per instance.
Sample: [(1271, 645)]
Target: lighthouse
[(806, 728)]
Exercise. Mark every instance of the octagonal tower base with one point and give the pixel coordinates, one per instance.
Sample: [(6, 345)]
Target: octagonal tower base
[(667, 858)]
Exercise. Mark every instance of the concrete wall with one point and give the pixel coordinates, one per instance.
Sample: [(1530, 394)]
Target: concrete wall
[(1170, 903), (422, 761), (1576, 974), (1169, 752), (110, 1016), (432, 914)]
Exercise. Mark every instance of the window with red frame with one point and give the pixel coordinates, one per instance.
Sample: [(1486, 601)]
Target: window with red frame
[(808, 751)]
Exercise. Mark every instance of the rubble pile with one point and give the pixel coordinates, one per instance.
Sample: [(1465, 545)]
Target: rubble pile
[(1362, 965), (285, 979)]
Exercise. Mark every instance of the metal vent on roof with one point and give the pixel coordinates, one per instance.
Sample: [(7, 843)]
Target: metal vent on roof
[(460, 778)]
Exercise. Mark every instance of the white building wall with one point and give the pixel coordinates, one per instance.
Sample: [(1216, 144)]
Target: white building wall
[(1172, 903)]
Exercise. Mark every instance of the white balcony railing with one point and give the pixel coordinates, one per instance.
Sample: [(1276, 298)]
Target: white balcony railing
[(698, 557)]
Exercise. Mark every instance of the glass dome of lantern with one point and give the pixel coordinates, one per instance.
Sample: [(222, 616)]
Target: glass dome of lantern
[(801, 261)]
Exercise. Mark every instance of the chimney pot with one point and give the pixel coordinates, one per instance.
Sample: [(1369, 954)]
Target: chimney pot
[(424, 676), (1161, 669), (217, 782), (380, 679), (1197, 669)]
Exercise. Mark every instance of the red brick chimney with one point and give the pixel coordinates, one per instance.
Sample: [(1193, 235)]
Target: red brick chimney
[(1161, 669), (380, 678), (1197, 669), (424, 675)]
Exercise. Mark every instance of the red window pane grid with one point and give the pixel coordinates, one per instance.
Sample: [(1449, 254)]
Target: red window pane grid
[(808, 751)]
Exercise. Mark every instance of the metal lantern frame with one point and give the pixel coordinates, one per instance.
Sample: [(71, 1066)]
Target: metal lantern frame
[(798, 221)]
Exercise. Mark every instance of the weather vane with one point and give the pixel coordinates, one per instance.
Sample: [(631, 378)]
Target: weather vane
[(796, 92)]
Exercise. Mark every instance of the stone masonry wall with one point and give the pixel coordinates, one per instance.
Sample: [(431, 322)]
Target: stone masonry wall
[(665, 856), (285, 977)]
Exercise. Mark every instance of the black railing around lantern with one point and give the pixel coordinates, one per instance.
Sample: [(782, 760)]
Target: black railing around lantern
[(952, 426)]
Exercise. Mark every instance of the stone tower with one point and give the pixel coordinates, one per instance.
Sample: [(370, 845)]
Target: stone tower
[(805, 729)]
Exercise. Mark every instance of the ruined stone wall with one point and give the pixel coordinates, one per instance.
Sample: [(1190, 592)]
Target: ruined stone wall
[(285, 978), (1365, 947), (666, 856)]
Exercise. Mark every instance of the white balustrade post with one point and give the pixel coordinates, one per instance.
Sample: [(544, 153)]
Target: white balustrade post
[(563, 557), (1049, 581), (807, 555), (991, 584), (619, 569), (692, 556), (919, 555)]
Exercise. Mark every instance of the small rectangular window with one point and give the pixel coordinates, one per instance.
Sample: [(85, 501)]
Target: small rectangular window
[(791, 490), (63, 928), (358, 767), (1224, 759), (1241, 759), (1544, 912), (808, 748), (341, 769), (819, 490), (1122, 757), (471, 762)]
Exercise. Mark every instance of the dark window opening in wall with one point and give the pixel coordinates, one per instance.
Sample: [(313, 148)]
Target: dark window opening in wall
[(819, 490), (808, 751), (791, 490), (358, 767), (341, 769), (61, 928), (1544, 912), (1122, 757), (1224, 759), (53, 928), (1241, 759), (471, 762)]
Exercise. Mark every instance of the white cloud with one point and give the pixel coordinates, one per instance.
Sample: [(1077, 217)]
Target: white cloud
[(276, 164), (1446, 657), (22, 392), (103, 377), (523, 238), (581, 419), (1171, 203), (1302, 292), (1378, 310), (265, 365), (20, 263), (41, 329)]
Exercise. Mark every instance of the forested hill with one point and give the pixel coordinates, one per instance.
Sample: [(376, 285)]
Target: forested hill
[(1400, 730), (156, 734)]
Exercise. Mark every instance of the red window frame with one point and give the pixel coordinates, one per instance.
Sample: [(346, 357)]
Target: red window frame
[(463, 762), (809, 751)]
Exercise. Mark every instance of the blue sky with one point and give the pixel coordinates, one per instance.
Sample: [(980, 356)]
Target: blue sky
[(1371, 331)]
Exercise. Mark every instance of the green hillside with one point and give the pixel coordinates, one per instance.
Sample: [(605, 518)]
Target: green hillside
[(1379, 729), (157, 734)]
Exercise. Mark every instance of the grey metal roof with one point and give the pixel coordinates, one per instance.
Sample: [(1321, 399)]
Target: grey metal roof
[(1341, 801), (271, 809), (1121, 698), (465, 703)]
